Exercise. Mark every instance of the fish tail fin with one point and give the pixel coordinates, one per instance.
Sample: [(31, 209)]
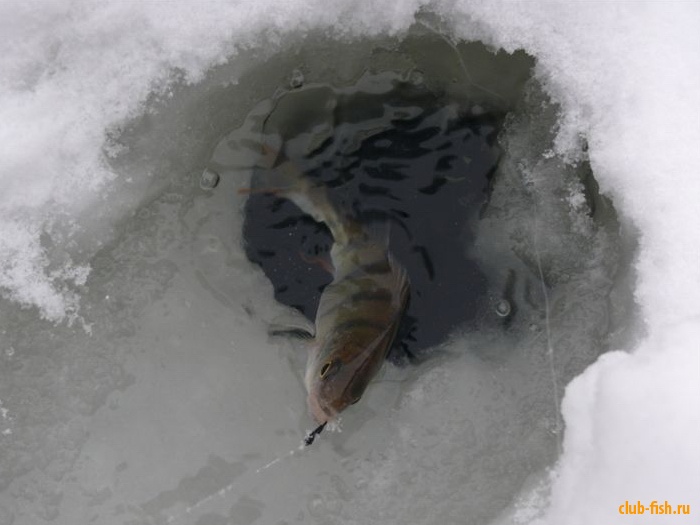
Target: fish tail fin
[(283, 177), (278, 174)]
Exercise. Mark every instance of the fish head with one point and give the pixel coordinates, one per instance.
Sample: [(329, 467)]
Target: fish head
[(337, 375)]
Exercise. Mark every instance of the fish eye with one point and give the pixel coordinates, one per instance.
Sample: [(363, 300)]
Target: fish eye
[(327, 366)]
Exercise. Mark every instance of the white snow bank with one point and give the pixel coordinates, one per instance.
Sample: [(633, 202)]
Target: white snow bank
[(70, 71), (628, 436), (627, 74)]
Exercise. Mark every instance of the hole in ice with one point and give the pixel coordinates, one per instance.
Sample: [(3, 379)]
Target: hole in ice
[(388, 149)]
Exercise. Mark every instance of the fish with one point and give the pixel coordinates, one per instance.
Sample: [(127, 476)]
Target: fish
[(359, 311)]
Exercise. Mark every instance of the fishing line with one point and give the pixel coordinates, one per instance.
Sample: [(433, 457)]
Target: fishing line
[(223, 491), (548, 330), (448, 40)]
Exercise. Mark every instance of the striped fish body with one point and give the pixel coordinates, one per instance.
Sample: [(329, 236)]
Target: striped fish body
[(357, 319), (359, 311)]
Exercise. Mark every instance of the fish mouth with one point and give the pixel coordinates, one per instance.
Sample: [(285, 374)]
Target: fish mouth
[(321, 413)]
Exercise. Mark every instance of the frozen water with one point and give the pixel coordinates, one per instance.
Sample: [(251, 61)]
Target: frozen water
[(159, 398)]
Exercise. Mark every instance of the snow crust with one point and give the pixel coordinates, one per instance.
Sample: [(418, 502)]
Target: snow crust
[(626, 74)]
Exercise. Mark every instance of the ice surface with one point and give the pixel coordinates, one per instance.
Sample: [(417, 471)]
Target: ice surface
[(634, 91), (73, 72), (136, 424)]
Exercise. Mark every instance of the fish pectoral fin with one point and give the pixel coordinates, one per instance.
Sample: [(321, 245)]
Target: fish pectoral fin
[(292, 323)]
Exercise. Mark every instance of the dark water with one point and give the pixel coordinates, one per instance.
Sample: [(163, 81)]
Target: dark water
[(405, 157)]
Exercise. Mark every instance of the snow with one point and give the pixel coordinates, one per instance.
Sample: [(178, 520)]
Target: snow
[(627, 76)]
